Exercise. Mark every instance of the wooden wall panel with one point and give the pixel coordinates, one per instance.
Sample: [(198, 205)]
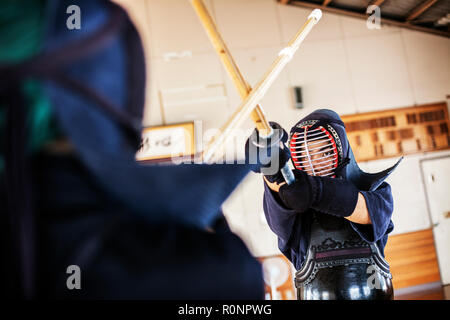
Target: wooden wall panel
[(412, 258), (397, 132)]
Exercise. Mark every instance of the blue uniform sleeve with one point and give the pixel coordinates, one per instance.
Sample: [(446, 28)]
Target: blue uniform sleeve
[(288, 225), (280, 218), (380, 206)]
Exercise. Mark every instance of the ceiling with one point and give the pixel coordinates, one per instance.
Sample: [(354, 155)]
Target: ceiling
[(431, 16)]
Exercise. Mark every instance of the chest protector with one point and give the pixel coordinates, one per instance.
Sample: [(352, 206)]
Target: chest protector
[(341, 266)]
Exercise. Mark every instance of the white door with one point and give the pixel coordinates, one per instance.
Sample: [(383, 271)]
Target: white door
[(436, 173)]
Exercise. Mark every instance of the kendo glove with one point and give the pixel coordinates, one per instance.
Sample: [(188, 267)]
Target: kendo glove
[(270, 154), (333, 196)]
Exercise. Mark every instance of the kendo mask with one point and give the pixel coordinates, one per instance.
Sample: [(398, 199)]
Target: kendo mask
[(316, 148), (320, 147)]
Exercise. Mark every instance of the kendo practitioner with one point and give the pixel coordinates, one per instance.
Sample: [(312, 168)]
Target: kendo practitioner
[(71, 193), (333, 221)]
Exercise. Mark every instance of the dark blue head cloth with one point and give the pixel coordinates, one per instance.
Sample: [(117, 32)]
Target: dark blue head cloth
[(191, 194), (362, 180)]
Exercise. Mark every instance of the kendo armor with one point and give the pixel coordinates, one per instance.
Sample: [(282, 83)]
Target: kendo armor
[(339, 264)]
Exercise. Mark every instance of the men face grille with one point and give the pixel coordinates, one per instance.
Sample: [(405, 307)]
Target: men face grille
[(314, 151)]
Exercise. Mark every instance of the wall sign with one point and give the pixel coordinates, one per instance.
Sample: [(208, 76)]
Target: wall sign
[(163, 143)]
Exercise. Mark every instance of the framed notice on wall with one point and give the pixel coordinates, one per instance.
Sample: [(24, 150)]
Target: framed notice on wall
[(397, 132), (163, 143)]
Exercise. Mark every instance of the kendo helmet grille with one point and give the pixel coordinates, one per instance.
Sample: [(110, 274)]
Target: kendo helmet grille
[(314, 151)]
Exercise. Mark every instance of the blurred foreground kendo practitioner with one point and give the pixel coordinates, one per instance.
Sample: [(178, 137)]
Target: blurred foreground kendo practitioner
[(72, 196), (333, 222)]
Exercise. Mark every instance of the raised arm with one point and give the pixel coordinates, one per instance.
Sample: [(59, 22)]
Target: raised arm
[(369, 211), (359, 215)]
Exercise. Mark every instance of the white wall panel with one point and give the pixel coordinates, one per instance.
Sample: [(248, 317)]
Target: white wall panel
[(199, 70), (152, 111), (428, 58), (321, 69), (379, 72), (264, 243), (247, 24), (175, 27), (292, 19), (354, 27), (253, 191), (199, 77)]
